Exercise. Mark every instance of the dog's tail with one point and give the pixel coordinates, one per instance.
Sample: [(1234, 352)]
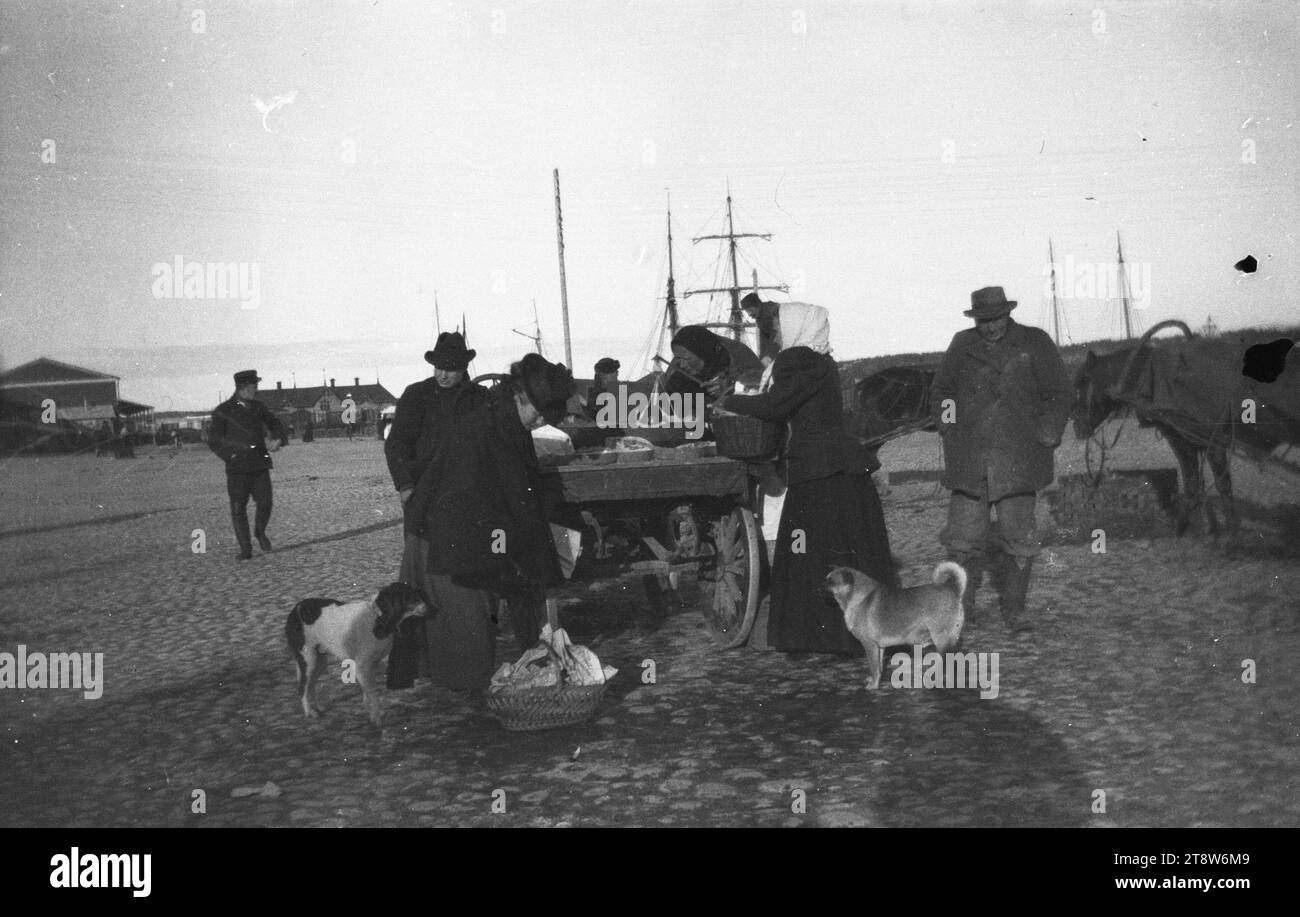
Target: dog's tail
[(951, 572)]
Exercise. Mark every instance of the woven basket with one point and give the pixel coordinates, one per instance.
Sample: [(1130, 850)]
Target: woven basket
[(747, 438), (528, 709)]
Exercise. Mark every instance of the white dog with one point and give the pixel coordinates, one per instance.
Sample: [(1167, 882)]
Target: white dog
[(358, 631)]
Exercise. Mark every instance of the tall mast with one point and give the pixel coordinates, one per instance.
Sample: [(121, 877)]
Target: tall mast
[(736, 322), (564, 292), (1056, 306), (672, 296), (1123, 288)]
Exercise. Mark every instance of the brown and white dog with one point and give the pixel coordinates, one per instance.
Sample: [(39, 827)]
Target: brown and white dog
[(358, 631), (879, 616)]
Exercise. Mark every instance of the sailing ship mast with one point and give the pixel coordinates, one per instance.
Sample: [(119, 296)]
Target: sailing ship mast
[(1123, 288), (564, 290), (672, 296), (1056, 306), (737, 321)]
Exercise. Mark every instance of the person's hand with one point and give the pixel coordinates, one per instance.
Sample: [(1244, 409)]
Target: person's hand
[(719, 400), (274, 445), (405, 494), (1051, 442), (713, 388)]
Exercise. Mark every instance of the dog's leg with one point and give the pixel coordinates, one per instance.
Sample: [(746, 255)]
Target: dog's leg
[(369, 697), (875, 662), (309, 687)]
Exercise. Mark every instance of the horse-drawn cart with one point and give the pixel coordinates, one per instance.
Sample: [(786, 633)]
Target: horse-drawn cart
[(665, 516)]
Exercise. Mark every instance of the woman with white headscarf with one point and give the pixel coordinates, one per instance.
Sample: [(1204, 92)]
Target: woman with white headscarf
[(832, 511)]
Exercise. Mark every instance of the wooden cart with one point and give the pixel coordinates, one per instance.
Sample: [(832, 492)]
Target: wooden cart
[(660, 518)]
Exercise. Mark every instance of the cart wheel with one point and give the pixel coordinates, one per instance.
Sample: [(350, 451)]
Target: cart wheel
[(734, 571)]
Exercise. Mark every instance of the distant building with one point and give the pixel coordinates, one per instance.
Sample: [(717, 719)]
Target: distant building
[(81, 396), (323, 404)]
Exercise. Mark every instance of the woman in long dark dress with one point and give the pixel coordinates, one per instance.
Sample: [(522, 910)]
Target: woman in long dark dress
[(481, 509), (832, 515)]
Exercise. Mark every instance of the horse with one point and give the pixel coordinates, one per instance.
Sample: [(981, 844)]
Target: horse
[(1094, 402), (894, 398)]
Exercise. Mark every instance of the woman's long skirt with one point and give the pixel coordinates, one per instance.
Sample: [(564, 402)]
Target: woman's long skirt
[(837, 522), (460, 639)]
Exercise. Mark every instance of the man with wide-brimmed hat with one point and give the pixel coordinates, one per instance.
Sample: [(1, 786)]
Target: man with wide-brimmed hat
[(236, 436), (426, 408), (482, 508), (1000, 399)]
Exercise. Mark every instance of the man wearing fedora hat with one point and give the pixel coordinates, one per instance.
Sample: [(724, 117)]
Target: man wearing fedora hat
[(426, 408), (236, 436), (425, 414), (483, 508), (1000, 400)]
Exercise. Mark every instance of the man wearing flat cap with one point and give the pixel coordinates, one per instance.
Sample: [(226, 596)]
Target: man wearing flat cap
[(1000, 400), (605, 381), (236, 436)]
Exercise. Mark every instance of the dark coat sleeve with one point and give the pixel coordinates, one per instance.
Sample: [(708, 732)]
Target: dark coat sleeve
[(400, 446), (787, 394), (272, 422), (944, 386), (518, 477), (1054, 390), (217, 440)]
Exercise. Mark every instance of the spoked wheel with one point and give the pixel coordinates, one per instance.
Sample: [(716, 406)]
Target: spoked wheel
[(734, 573)]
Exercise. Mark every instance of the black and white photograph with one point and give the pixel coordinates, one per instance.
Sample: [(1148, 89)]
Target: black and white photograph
[(714, 414)]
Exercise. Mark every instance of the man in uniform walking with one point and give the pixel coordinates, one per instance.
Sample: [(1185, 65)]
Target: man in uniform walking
[(236, 436), (1000, 400)]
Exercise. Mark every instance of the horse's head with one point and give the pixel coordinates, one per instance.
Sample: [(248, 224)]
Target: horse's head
[(1091, 403)]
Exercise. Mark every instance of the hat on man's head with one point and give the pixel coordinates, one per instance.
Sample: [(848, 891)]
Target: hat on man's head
[(989, 303), (450, 353), (750, 301), (547, 385), (246, 377), (607, 365)]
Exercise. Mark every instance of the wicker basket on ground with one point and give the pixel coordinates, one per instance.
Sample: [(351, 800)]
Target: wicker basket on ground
[(528, 709)]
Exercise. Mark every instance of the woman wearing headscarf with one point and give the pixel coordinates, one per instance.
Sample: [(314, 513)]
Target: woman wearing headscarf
[(481, 508), (831, 509), (701, 357)]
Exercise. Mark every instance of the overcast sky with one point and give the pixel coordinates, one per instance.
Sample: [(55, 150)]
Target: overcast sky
[(902, 154)]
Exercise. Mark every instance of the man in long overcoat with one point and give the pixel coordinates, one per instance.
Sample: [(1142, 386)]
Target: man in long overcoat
[(481, 508), (236, 436), (1000, 400)]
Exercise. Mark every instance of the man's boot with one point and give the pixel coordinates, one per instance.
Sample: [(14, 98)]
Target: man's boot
[(1015, 589), (260, 519), (239, 516), (973, 564)]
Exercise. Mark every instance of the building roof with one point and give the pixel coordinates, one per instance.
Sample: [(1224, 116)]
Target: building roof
[(43, 369), (291, 399)]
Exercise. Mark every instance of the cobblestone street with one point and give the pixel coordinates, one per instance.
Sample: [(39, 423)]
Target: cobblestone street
[(1131, 684)]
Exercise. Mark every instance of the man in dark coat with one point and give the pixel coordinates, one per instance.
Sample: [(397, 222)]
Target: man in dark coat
[(1000, 401), (481, 508), (236, 436), (426, 409), (426, 413)]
